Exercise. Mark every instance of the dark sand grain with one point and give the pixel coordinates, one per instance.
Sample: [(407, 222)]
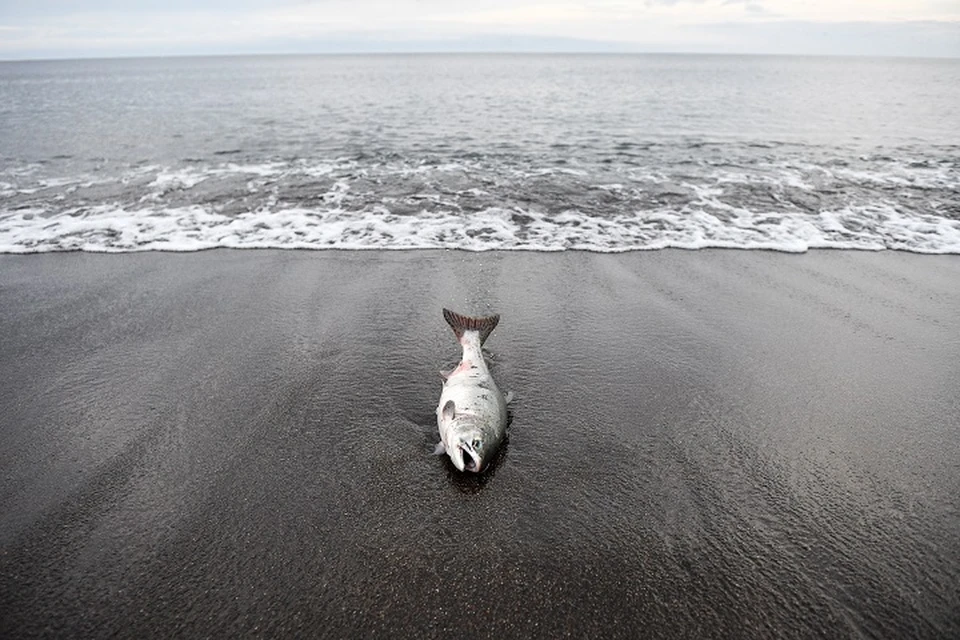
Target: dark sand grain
[(703, 444)]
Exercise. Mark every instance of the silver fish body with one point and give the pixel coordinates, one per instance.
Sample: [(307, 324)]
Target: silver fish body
[(472, 412)]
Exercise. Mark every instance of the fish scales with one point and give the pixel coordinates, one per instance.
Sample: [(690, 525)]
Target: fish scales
[(472, 412)]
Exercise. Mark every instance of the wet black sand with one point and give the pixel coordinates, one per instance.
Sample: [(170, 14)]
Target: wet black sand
[(703, 444)]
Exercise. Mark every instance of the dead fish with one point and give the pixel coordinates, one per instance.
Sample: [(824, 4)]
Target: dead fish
[(472, 413)]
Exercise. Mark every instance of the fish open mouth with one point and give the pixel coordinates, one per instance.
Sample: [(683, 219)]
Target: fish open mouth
[(470, 461)]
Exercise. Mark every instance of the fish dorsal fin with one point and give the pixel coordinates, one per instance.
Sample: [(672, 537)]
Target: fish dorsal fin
[(460, 323), (449, 410)]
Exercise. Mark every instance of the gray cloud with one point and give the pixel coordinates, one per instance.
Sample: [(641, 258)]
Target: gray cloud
[(652, 3), (917, 38)]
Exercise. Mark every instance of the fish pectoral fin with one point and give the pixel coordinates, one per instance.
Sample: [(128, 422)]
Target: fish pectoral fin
[(446, 374), (439, 450), (449, 410), (509, 397)]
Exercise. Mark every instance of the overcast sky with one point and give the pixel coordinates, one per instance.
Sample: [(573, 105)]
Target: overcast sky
[(100, 28)]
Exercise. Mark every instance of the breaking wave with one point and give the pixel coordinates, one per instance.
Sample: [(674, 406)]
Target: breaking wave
[(480, 204)]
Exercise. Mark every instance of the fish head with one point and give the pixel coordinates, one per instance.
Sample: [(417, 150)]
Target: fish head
[(466, 439), (470, 451)]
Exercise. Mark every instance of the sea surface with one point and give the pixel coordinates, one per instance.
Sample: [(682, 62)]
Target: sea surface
[(522, 152)]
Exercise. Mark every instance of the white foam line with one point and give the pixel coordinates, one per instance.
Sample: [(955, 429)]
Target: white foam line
[(114, 229)]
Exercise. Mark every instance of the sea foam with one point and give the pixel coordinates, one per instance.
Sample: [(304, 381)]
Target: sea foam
[(344, 204), (110, 229)]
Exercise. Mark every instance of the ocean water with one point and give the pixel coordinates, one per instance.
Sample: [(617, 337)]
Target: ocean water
[(545, 153)]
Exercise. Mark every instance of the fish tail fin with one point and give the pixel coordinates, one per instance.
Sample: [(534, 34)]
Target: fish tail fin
[(460, 323)]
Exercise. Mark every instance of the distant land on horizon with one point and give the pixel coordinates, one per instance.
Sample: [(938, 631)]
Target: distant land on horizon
[(926, 40), (468, 52)]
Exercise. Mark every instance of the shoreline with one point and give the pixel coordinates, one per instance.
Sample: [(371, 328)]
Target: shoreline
[(374, 249)]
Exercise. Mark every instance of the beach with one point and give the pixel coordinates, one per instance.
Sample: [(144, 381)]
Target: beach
[(703, 444)]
